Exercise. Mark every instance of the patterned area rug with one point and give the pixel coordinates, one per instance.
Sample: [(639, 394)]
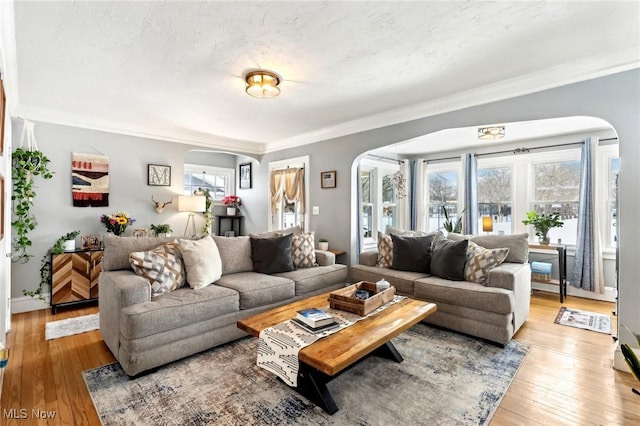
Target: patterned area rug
[(584, 319), (67, 327), (445, 379)]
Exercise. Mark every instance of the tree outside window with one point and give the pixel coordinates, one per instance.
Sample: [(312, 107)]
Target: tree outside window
[(495, 198), (442, 191)]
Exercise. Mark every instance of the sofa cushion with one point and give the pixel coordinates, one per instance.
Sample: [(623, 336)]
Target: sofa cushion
[(117, 249), (258, 289), (385, 251), (202, 261), (235, 254), (295, 230), (464, 293), (162, 267), (412, 253), (272, 255), (177, 309), (401, 280), (480, 261), (308, 280), (518, 244), (303, 253), (448, 258)]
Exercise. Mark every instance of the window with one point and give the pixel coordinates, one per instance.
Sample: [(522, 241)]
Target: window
[(219, 181), (612, 216), (556, 189), (389, 199), (442, 190), (495, 198), (366, 204), (290, 212)]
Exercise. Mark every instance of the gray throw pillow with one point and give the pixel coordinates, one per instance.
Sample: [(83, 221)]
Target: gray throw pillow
[(412, 253), (448, 258), (272, 255), (518, 245)]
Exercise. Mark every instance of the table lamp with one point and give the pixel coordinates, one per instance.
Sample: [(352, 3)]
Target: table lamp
[(487, 224), (192, 204)]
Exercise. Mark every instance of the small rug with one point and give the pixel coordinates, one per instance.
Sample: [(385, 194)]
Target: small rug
[(584, 319), (446, 378), (70, 326)]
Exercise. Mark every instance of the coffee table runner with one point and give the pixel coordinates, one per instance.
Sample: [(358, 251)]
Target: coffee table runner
[(280, 344)]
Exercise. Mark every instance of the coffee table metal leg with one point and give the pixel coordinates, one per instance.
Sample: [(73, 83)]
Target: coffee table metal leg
[(388, 351), (314, 387)]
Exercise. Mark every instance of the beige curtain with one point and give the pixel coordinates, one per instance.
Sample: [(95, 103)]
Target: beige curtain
[(294, 186), (276, 188)]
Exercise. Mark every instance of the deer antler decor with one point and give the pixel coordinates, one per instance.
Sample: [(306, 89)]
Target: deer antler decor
[(159, 205)]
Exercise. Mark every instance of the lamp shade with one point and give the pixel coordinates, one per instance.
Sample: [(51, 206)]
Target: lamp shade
[(487, 224), (192, 203)]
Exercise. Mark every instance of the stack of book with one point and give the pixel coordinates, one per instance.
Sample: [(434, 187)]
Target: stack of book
[(314, 320)]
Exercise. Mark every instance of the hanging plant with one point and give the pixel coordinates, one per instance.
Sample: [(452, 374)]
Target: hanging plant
[(26, 165), (208, 213), (45, 264)]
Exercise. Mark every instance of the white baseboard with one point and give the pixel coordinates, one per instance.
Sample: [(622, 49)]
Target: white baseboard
[(609, 294), (28, 304)]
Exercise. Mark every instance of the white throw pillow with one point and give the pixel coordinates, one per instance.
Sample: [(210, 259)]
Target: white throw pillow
[(202, 261)]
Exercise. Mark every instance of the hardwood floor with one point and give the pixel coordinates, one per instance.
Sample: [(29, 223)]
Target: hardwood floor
[(566, 378)]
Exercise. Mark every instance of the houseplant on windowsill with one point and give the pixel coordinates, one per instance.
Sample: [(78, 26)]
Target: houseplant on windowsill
[(451, 226), (542, 223), (232, 202)]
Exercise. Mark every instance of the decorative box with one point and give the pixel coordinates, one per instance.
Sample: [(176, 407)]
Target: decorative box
[(345, 300)]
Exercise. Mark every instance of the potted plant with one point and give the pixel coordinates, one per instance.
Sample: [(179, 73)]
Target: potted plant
[(162, 229), (232, 202), (323, 244), (26, 165), (451, 226), (117, 222), (542, 223)]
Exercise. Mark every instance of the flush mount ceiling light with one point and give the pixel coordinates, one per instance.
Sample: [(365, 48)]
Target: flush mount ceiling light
[(262, 84), (491, 133)]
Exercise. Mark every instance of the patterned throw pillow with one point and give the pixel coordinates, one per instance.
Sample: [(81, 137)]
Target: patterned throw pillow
[(385, 251), (163, 267), (303, 253), (480, 261)]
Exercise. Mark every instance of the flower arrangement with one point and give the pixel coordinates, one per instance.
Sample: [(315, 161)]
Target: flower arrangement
[(232, 201), (116, 222)]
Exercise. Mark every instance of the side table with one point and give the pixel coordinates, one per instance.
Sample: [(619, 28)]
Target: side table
[(337, 252), (237, 219), (562, 265)]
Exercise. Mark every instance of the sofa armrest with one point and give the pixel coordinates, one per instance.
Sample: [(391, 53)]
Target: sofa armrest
[(368, 258), (118, 289), (517, 278), (325, 258)]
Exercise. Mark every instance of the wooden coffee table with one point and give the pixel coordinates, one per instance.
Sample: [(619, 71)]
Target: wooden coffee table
[(326, 358)]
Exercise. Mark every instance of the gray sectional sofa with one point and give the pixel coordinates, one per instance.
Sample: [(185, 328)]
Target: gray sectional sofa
[(494, 311), (144, 332)]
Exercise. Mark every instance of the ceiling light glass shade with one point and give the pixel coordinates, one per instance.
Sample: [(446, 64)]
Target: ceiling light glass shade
[(262, 84), (490, 133), (192, 203)]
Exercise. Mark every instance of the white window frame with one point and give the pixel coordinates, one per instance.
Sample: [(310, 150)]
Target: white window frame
[(442, 167), (275, 221), (502, 163), (229, 174), (604, 155)]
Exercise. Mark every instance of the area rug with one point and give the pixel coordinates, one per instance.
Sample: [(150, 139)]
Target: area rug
[(584, 319), (445, 379), (70, 326)]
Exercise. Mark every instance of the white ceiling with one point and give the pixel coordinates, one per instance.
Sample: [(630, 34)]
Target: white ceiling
[(173, 70)]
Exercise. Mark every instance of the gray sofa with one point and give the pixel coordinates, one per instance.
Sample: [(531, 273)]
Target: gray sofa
[(493, 312), (144, 332)]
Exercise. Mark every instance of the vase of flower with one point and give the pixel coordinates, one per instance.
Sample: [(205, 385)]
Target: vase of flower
[(117, 222), (233, 203)]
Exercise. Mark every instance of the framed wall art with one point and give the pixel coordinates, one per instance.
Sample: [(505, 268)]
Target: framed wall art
[(139, 232), (158, 175), (328, 179), (245, 176), (91, 241), (89, 180)]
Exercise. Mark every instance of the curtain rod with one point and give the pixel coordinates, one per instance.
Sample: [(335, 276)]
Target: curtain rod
[(519, 150), (378, 157)]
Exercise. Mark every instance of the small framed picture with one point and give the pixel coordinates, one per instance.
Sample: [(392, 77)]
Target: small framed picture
[(328, 179), (158, 175), (245, 176), (139, 232), (91, 241)]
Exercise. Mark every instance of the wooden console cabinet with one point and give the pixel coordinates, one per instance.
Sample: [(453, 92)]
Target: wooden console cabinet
[(74, 277)]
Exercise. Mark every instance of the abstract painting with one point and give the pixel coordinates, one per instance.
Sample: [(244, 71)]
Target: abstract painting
[(90, 177)]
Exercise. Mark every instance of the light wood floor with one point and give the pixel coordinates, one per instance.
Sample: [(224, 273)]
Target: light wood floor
[(566, 378)]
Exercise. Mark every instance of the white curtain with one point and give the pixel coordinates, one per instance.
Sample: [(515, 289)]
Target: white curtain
[(422, 212), (276, 189)]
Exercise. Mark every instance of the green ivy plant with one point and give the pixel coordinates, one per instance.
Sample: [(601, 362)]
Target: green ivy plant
[(26, 165), (45, 264), (208, 213)]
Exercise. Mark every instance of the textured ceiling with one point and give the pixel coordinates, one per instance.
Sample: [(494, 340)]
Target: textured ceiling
[(173, 70)]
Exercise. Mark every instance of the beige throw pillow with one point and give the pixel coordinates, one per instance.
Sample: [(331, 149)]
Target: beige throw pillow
[(303, 253), (162, 267), (480, 261), (202, 261), (385, 250)]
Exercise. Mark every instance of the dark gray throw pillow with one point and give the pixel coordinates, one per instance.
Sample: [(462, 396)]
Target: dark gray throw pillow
[(448, 259), (412, 253), (272, 255)]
